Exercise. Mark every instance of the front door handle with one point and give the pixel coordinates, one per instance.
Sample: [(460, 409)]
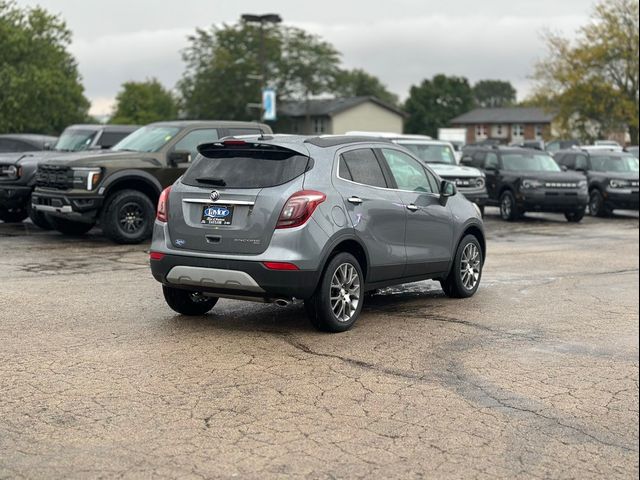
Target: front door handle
[(412, 207), (354, 200)]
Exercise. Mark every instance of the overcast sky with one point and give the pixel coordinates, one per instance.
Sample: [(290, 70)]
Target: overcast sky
[(400, 41)]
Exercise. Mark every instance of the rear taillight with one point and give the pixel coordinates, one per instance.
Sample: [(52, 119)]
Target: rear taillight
[(299, 208), (156, 256), (163, 205), (282, 266)]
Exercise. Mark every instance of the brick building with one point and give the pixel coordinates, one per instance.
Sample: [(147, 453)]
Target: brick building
[(507, 125)]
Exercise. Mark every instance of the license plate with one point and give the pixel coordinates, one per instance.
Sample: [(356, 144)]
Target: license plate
[(217, 215)]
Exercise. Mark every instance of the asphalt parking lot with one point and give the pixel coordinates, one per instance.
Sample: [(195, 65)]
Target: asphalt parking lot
[(535, 376)]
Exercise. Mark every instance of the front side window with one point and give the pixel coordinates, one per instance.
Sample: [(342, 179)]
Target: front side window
[(431, 153), (361, 166), (75, 140), (189, 143), (147, 139), (109, 139), (491, 162), (529, 162), (407, 172), (582, 163)]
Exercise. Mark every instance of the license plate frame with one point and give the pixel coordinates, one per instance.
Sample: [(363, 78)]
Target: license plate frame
[(214, 215)]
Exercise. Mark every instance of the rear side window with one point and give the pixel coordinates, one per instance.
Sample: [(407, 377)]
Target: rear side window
[(109, 139), (361, 166), (246, 169)]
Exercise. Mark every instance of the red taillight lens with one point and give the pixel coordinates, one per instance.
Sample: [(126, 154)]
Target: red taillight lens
[(280, 266), (156, 256), (163, 205), (299, 208)]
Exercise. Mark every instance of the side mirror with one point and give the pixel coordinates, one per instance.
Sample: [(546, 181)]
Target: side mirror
[(564, 168), (466, 160), (179, 156), (47, 146), (447, 189)]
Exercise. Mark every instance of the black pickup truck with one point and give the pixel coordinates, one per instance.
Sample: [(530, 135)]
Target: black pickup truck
[(612, 176), (119, 189), (521, 180), (18, 170)]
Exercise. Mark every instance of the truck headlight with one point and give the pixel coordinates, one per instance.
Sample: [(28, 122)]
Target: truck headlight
[(480, 182), (619, 183), (86, 178), (10, 171), (531, 184), (582, 184)]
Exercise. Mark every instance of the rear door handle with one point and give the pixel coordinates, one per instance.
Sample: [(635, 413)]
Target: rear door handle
[(412, 207), (354, 200)]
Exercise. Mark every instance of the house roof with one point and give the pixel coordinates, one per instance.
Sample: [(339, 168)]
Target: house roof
[(329, 106), (505, 115)]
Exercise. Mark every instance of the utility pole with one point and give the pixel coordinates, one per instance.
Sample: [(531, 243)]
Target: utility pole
[(261, 20)]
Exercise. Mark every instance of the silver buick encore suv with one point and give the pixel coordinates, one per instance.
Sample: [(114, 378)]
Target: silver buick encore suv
[(321, 219)]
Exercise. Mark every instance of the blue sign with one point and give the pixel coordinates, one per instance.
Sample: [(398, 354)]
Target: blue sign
[(268, 104)]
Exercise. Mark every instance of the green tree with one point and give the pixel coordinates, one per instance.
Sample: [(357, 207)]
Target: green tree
[(40, 87), (433, 103), (144, 102), (494, 93), (357, 82), (222, 64), (593, 81)]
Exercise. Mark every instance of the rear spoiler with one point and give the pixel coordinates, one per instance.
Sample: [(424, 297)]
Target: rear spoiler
[(223, 147)]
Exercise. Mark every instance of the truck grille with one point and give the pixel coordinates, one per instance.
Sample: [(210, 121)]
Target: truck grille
[(561, 185), (53, 176), (463, 183)]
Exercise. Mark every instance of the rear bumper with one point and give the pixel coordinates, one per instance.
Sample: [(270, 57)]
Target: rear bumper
[(235, 278), (82, 208), (625, 200), (14, 196), (553, 201)]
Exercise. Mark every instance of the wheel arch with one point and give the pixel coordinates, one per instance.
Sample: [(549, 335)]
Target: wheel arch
[(348, 244), (139, 181)]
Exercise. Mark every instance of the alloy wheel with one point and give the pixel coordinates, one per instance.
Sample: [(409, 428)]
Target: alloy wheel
[(345, 292), (470, 266), (506, 207), (131, 217)]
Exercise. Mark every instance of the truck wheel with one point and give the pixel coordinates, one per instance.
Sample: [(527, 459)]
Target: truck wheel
[(39, 219), (187, 302), (69, 227), (13, 215), (508, 207), (575, 216), (466, 272), (337, 303), (597, 207), (127, 217)]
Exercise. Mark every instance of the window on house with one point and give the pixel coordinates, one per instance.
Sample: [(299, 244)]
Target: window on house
[(481, 131), (539, 131), (517, 130), (499, 129), (318, 125)]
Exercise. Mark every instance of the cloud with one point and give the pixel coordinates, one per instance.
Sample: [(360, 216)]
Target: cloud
[(400, 51)]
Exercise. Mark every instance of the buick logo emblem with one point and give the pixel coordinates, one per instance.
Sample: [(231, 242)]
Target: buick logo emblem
[(214, 196)]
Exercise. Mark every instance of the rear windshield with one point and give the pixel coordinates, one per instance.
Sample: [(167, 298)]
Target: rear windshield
[(246, 169)]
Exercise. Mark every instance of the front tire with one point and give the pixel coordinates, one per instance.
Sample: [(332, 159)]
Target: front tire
[(597, 207), (69, 227), (13, 215), (464, 279), (508, 207), (187, 302), (337, 302), (39, 219), (575, 216), (127, 217)]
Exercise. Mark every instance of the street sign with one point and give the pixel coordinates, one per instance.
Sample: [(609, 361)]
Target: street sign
[(268, 104)]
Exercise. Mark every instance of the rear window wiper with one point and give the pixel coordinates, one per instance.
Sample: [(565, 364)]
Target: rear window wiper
[(212, 181)]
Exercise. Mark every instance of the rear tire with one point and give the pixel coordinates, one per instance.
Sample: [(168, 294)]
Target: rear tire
[(575, 216), (13, 215), (69, 227), (187, 302), (127, 217), (337, 302), (597, 207), (508, 207), (464, 278)]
